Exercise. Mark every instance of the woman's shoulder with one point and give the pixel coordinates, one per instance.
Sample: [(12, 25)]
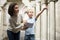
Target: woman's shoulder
[(10, 18), (19, 15)]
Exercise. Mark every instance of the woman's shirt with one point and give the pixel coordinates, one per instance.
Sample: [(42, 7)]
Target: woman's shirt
[(15, 23)]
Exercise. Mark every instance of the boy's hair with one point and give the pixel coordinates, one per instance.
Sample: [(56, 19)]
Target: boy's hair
[(29, 9), (11, 9)]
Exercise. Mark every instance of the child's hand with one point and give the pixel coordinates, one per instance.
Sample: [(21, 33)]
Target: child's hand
[(45, 8)]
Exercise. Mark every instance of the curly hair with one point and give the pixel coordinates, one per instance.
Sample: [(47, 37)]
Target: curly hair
[(11, 9)]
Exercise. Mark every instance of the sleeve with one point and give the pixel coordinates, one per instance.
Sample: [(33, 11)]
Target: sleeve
[(20, 26), (13, 26), (35, 19)]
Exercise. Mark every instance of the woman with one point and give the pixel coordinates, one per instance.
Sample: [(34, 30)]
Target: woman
[(15, 20)]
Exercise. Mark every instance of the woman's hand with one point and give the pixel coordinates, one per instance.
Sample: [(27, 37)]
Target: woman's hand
[(25, 25)]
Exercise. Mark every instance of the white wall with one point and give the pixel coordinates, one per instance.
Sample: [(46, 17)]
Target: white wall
[(58, 20)]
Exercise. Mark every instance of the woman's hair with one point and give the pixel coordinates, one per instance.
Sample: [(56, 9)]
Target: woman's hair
[(11, 9)]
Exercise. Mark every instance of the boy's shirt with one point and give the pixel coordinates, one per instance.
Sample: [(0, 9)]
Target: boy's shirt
[(30, 30)]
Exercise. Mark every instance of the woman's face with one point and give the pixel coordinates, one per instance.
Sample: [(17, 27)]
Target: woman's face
[(16, 9)]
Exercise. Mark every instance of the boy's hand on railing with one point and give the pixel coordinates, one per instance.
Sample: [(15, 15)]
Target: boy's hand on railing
[(45, 8)]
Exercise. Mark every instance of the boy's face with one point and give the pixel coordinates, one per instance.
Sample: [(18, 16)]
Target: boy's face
[(30, 13)]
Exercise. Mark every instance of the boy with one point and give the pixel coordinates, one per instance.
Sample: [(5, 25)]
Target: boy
[(29, 32)]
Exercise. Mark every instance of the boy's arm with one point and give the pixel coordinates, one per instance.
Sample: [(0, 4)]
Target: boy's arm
[(40, 13)]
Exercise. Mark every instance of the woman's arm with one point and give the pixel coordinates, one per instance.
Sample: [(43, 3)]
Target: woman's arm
[(40, 13), (25, 25), (13, 25)]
